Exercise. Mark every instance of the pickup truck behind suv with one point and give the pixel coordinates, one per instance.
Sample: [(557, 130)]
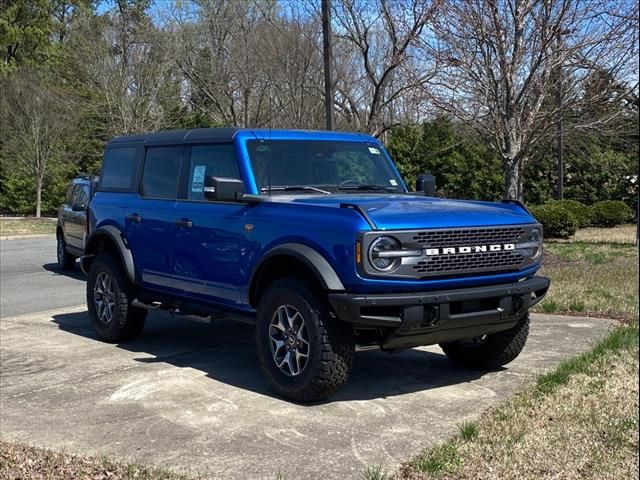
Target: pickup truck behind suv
[(315, 239), (72, 220)]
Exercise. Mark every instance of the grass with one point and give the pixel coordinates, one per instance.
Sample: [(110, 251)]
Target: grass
[(18, 461), (579, 421), (26, 226), (592, 278), (620, 234)]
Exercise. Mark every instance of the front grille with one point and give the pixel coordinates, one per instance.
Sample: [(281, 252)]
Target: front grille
[(465, 237), (434, 264), (463, 263)]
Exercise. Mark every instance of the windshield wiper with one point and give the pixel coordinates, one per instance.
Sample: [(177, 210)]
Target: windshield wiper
[(378, 188), (290, 188)]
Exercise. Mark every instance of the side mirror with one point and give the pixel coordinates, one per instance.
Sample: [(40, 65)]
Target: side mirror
[(426, 183), (225, 189)]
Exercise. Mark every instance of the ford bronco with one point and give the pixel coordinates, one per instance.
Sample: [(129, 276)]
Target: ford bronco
[(315, 239)]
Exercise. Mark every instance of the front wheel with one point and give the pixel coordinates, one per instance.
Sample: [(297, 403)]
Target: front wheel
[(109, 294), (305, 352), (489, 351)]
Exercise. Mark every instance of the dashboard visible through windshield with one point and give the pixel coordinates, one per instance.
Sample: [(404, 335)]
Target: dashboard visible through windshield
[(321, 167)]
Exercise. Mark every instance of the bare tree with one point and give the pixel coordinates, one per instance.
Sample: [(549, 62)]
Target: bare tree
[(378, 62), (129, 62), (513, 69), (35, 120)]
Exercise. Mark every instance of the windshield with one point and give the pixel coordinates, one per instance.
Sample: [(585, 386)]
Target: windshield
[(321, 166)]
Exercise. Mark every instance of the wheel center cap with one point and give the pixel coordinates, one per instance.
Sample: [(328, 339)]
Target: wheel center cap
[(291, 340)]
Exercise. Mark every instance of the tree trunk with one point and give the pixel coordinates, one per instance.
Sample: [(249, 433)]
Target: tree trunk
[(512, 181), (38, 199)]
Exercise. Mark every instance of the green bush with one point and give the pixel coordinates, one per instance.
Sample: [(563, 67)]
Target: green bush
[(582, 212), (556, 219), (610, 213)]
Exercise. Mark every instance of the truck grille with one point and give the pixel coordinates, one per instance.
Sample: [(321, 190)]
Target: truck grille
[(441, 254), (464, 237), (463, 263)]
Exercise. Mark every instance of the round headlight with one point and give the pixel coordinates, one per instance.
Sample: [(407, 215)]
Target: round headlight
[(377, 256), (535, 237)]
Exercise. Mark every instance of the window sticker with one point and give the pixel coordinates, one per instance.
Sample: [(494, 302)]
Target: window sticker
[(197, 184), (393, 182), (374, 150)]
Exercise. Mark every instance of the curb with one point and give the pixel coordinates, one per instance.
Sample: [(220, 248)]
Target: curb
[(26, 237)]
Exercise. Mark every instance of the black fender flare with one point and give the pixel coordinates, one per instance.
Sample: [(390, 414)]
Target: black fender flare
[(322, 269), (119, 240)]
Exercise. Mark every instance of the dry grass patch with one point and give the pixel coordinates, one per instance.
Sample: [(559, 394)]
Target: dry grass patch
[(18, 461), (27, 226), (578, 422), (618, 234), (593, 279)]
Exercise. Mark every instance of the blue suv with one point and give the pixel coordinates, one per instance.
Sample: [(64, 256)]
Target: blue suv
[(315, 239)]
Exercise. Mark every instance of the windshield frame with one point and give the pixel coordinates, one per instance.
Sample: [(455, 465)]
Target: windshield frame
[(359, 139)]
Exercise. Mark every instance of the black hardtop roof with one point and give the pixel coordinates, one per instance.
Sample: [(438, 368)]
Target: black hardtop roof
[(194, 135)]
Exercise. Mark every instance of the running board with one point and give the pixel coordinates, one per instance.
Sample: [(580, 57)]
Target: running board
[(195, 312)]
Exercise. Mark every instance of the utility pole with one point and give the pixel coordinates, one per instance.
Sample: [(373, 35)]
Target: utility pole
[(326, 48)]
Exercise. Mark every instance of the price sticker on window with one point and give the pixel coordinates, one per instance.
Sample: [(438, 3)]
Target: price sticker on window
[(197, 184)]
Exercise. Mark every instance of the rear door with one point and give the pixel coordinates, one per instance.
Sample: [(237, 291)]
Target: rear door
[(209, 236), (149, 220)]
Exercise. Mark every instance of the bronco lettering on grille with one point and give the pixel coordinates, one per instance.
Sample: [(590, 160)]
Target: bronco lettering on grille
[(430, 252)]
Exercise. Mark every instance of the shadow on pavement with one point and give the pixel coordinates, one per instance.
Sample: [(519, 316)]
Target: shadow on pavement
[(76, 273), (225, 351)]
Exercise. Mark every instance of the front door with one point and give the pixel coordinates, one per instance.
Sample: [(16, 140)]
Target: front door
[(209, 237)]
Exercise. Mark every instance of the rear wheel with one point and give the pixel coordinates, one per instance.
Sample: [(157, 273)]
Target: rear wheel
[(305, 352), (66, 261), (489, 351), (109, 294)]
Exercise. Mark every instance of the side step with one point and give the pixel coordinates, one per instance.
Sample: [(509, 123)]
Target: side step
[(197, 312)]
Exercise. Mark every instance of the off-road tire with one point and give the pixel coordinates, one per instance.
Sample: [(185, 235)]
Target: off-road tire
[(496, 350), (66, 261), (127, 321), (331, 342)]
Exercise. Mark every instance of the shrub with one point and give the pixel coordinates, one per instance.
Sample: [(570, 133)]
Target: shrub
[(582, 213), (557, 220), (610, 213)]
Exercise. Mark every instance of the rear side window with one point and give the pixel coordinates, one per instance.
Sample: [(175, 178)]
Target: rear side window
[(161, 172), (213, 160), (119, 169)]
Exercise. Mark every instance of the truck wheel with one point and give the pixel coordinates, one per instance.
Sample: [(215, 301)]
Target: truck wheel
[(108, 296), (489, 351), (305, 352), (66, 261)]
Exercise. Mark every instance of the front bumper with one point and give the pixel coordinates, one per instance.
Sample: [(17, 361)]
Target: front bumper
[(413, 319)]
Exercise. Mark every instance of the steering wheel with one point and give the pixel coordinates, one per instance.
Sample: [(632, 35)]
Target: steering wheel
[(349, 182)]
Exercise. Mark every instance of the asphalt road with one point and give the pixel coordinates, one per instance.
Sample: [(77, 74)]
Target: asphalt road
[(30, 280)]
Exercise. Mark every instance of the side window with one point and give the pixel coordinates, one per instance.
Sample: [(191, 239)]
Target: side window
[(161, 172), (119, 168), (81, 196), (214, 160)]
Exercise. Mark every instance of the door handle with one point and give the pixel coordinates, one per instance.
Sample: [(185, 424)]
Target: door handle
[(184, 223), (134, 218)]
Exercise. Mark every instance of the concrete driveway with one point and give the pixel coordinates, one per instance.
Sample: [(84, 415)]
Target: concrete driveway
[(190, 396)]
